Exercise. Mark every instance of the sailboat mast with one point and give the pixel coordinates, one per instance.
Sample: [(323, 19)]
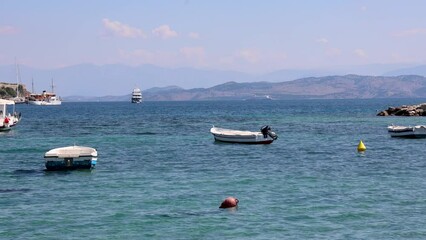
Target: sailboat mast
[(17, 78), (52, 86)]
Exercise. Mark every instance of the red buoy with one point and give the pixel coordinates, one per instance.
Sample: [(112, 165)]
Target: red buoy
[(229, 202)]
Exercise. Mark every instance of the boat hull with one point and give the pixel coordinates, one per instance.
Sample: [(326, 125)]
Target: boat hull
[(241, 140), (69, 164), (71, 158), (407, 132), (45, 103), (4, 127), (243, 137)]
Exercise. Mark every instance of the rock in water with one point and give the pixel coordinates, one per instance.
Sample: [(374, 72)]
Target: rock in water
[(404, 110)]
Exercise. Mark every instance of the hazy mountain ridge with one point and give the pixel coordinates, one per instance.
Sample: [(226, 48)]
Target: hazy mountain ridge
[(116, 79), (331, 87)]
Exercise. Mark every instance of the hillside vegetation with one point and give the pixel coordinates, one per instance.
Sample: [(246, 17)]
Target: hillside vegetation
[(8, 90)]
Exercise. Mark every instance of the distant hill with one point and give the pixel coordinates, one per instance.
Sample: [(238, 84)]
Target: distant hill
[(88, 80), (330, 87)]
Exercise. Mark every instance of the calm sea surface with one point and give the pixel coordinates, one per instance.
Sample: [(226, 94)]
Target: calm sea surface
[(160, 175)]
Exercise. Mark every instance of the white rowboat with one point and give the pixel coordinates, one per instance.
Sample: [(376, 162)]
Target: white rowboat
[(265, 136), (418, 131)]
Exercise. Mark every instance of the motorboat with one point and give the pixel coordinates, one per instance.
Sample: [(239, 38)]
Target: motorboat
[(7, 119), (418, 131), (71, 158), (264, 136), (136, 96)]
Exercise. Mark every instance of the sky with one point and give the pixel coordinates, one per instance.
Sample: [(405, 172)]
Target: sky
[(242, 35)]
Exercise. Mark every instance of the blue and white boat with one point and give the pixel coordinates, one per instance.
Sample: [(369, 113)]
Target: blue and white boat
[(71, 158)]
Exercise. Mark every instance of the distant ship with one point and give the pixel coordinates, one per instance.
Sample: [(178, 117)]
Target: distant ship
[(136, 96), (44, 99)]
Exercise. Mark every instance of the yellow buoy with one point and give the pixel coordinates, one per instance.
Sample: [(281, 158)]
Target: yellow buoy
[(361, 146)]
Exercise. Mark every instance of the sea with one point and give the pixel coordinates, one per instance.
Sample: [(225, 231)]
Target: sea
[(161, 175)]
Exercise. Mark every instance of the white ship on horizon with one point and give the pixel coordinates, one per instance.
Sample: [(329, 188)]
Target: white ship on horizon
[(136, 96)]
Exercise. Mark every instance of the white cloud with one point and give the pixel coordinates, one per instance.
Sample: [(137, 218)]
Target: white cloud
[(164, 32), (322, 40), (194, 35), (360, 53), (119, 29), (411, 32), (7, 30)]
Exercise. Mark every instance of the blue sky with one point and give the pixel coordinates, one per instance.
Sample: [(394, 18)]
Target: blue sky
[(247, 36)]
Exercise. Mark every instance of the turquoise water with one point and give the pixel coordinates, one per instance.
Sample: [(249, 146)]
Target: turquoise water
[(160, 175)]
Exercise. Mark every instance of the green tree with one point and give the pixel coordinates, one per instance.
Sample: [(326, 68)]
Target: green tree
[(10, 91)]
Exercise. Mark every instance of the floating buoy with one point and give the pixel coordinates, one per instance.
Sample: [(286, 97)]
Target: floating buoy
[(229, 202), (361, 146)]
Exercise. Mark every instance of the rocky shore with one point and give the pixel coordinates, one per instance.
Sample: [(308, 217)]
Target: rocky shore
[(405, 110)]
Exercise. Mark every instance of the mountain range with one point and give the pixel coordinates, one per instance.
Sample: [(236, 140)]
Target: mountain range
[(88, 82), (329, 87)]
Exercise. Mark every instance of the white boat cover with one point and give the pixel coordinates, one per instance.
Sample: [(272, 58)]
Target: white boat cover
[(406, 128), (71, 152), (230, 132), (6, 102)]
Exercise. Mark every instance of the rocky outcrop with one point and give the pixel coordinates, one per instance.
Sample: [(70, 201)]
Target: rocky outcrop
[(8, 90), (405, 110)]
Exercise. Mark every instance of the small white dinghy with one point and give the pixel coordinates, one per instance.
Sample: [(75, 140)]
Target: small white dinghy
[(71, 158), (418, 131), (265, 136)]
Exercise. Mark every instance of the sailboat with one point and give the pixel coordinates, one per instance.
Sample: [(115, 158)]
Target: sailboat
[(45, 98), (18, 99)]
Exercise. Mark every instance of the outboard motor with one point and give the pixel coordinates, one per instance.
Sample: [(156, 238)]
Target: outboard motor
[(266, 131), (273, 135)]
